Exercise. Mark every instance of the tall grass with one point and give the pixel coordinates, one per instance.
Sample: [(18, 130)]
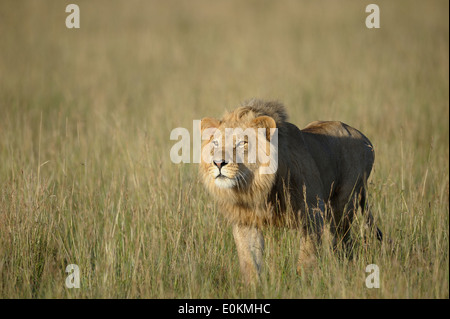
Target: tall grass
[(86, 115)]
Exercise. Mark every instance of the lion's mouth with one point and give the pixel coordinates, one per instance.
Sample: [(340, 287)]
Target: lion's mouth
[(221, 176)]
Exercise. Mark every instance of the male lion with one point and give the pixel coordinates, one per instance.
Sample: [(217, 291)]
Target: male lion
[(320, 177)]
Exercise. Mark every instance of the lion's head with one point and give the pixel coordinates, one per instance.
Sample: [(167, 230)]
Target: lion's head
[(238, 152)]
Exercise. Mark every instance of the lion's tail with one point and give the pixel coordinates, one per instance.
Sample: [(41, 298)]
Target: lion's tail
[(369, 217)]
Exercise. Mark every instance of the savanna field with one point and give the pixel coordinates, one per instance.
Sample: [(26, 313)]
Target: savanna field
[(85, 119)]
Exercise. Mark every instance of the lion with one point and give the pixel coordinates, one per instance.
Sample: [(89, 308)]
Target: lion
[(320, 179)]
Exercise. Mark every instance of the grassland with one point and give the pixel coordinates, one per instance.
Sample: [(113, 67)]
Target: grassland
[(86, 115)]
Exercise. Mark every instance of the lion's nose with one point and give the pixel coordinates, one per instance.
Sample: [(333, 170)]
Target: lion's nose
[(220, 163)]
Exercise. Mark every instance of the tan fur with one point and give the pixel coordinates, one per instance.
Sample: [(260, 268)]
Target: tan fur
[(321, 178)]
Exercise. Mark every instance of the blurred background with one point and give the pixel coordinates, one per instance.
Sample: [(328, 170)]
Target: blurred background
[(86, 115)]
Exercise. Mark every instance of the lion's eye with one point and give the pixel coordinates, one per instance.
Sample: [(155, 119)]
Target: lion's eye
[(215, 144), (241, 144)]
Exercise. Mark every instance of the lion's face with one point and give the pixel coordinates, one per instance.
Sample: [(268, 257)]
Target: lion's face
[(232, 151), (228, 165)]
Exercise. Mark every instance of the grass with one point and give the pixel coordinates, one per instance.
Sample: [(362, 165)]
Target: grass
[(86, 116)]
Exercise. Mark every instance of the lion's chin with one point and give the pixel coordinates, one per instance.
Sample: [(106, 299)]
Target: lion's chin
[(224, 182)]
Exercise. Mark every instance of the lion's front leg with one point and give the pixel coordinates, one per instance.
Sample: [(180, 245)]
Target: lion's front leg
[(250, 246)]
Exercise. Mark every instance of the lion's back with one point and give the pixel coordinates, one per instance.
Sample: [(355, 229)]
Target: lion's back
[(340, 136), (343, 152)]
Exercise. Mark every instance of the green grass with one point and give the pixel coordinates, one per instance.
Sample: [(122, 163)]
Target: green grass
[(86, 115)]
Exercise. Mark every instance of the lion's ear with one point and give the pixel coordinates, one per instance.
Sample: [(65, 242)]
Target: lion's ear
[(267, 122), (209, 122)]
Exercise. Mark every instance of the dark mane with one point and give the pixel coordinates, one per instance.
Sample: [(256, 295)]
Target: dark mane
[(274, 109)]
